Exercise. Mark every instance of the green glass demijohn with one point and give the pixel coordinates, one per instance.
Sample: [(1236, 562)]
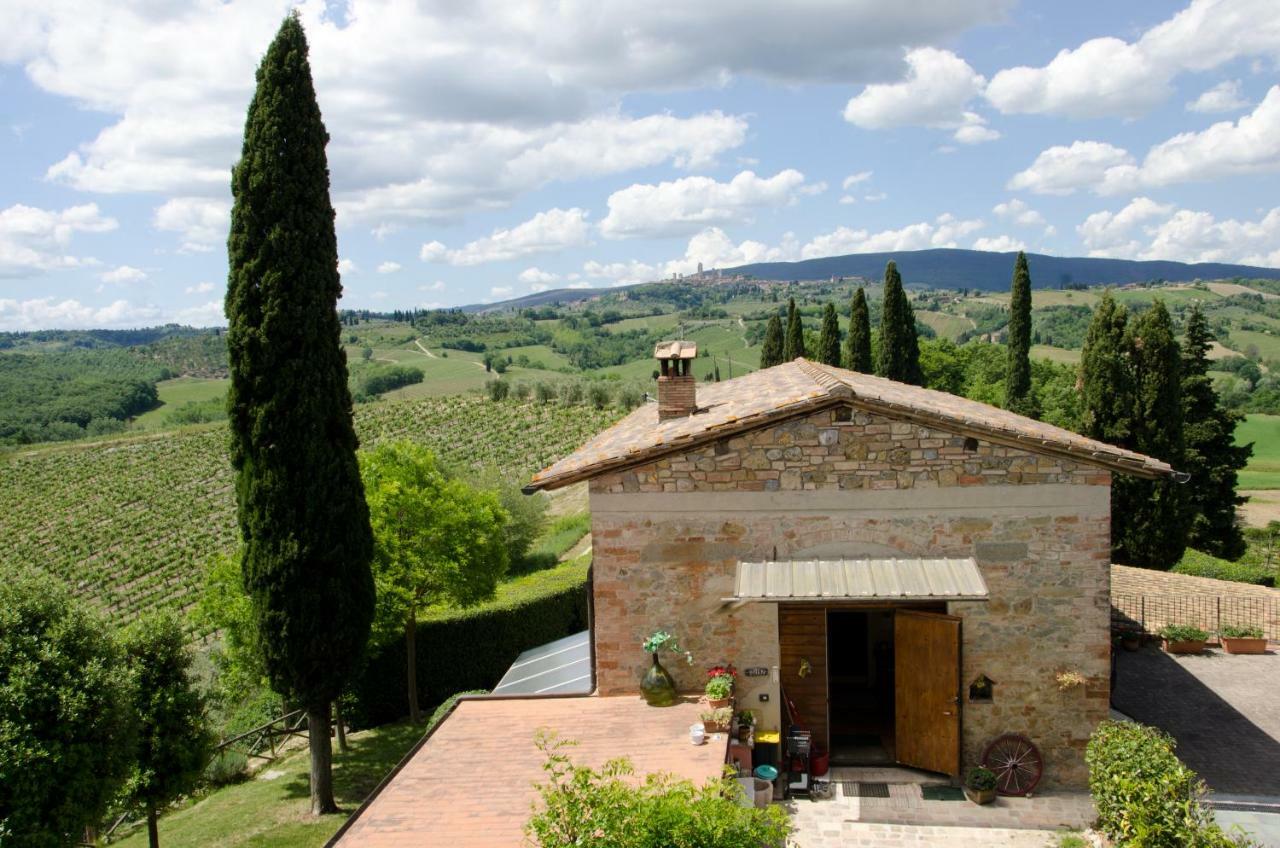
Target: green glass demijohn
[(658, 686)]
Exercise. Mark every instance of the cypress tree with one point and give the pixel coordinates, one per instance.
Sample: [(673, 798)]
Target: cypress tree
[(899, 354), (1017, 383), (1149, 517), (300, 503), (829, 341), (771, 349), (857, 349), (1106, 387), (1210, 454), (793, 341)]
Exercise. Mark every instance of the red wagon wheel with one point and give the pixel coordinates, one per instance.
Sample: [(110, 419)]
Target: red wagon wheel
[(1016, 762)]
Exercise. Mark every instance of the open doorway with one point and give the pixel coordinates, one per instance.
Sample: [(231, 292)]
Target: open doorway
[(860, 669)]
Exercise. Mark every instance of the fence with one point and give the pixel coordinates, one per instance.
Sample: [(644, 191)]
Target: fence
[(1208, 612)]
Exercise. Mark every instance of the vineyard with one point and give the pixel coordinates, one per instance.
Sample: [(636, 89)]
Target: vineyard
[(129, 524)]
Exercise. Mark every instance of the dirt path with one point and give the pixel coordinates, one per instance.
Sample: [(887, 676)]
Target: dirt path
[(1262, 507), (429, 354)]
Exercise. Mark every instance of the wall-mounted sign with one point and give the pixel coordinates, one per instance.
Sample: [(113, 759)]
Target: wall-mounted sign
[(756, 671)]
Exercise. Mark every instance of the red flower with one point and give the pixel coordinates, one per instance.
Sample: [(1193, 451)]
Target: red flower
[(722, 671)]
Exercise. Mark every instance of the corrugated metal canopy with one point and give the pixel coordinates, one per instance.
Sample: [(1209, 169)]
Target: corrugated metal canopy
[(860, 580), (562, 666)]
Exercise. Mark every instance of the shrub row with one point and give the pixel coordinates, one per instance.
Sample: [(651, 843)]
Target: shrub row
[(1145, 796), (461, 650), (1200, 564)]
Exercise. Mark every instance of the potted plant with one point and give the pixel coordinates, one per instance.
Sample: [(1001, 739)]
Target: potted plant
[(719, 691), (658, 686), (1183, 639), (746, 723), (1243, 640), (1130, 639), (980, 785), (717, 720)]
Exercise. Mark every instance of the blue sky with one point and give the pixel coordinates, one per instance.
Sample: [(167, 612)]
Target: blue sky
[(486, 150)]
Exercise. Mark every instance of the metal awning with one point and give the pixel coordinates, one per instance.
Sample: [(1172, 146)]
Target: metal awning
[(860, 580), (562, 667)]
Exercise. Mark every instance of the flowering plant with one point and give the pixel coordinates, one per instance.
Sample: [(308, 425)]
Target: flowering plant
[(1069, 679), (722, 671), (719, 688)]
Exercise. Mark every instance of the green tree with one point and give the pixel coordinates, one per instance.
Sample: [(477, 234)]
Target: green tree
[(1211, 455), (1106, 385), (300, 504), (66, 729), (174, 741), (829, 341), (899, 354), (771, 348), (1017, 385), (437, 540), (793, 342), (857, 350), (1149, 517)]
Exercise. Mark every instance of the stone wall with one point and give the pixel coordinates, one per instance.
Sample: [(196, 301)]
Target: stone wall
[(668, 535)]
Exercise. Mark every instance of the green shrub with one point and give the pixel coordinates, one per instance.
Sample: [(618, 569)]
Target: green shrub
[(1199, 564), (443, 710), (583, 806), (1233, 632), (598, 395), (555, 541), (1145, 796), (1182, 633), (461, 650), (980, 779), (497, 389)]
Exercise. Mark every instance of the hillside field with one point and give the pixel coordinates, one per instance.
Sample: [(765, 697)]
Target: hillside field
[(1263, 471), (129, 523)]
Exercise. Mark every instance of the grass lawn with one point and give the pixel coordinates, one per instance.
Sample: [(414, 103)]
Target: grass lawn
[(1263, 470), (1057, 354), (1268, 345), (275, 812), (946, 326), (176, 392)]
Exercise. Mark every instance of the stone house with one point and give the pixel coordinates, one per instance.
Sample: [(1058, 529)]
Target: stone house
[(915, 570)]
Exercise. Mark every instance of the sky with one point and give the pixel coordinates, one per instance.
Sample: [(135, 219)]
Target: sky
[(484, 150)]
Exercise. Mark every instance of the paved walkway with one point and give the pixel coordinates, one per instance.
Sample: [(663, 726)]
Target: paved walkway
[(1222, 709)]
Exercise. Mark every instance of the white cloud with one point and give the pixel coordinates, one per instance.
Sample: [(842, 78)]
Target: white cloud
[(1250, 145), (201, 221), (200, 288), (1111, 77), (944, 231), (1190, 236), (536, 276), (1062, 170), (71, 314), (876, 197), (935, 92), (1019, 212), (438, 285), (552, 230), (848, 200), (619, 273), (388, 267), (714, 249), (1109, 233), (501, 291), (348, 266), (1223, 97), (205, 315), (123, 274), (33, 240), (999, 244), (853, 179), (689, 204), (974, 130)]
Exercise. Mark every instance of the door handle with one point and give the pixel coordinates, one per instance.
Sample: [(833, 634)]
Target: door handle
[(947, 712)]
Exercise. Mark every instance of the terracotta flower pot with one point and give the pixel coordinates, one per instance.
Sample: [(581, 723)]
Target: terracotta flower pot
[(717, 703), (1244, 645), (980, 796), (1130, 642), (1190, 646)]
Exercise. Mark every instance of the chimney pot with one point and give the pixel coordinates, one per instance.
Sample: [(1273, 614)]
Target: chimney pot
[(677, 395)]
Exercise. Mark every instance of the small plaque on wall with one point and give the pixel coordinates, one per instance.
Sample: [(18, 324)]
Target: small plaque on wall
[(756, 671)]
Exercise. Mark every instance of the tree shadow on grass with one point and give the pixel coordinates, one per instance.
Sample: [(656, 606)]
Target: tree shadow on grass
[(1226, 748), (357, 773)]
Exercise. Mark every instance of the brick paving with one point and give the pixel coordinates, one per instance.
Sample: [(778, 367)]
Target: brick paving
[(472, 783), (1221, 708)]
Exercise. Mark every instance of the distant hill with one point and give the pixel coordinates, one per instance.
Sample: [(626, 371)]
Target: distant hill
[(980, 269)]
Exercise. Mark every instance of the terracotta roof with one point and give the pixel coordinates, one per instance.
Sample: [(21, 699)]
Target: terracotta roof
[(800, 387)]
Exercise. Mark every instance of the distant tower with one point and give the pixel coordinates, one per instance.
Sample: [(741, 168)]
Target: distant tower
[(699, 269)]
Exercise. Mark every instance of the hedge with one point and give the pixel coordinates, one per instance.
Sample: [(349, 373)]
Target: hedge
[(462, 650), (1145, 796), (1200, 564)]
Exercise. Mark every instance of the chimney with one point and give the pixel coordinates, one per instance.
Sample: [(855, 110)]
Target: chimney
[(676, 393)]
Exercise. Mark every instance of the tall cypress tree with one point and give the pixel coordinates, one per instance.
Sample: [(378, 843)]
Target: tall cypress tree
[(1017, 382), (899, 354), (300, 503), (771, 349), (1149, 517), (1106, 385), (829, 341), (857, 349), (793, 342), (1210, 455)]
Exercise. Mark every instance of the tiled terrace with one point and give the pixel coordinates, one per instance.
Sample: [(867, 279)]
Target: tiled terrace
[(471, 783)]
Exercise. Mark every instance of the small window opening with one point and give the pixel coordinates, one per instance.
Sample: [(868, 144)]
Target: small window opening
[(971, 444), (982, 689), (843, 415)]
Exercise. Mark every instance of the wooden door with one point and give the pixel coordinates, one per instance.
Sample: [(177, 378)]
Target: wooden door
[(802, 636), (927, 690)]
